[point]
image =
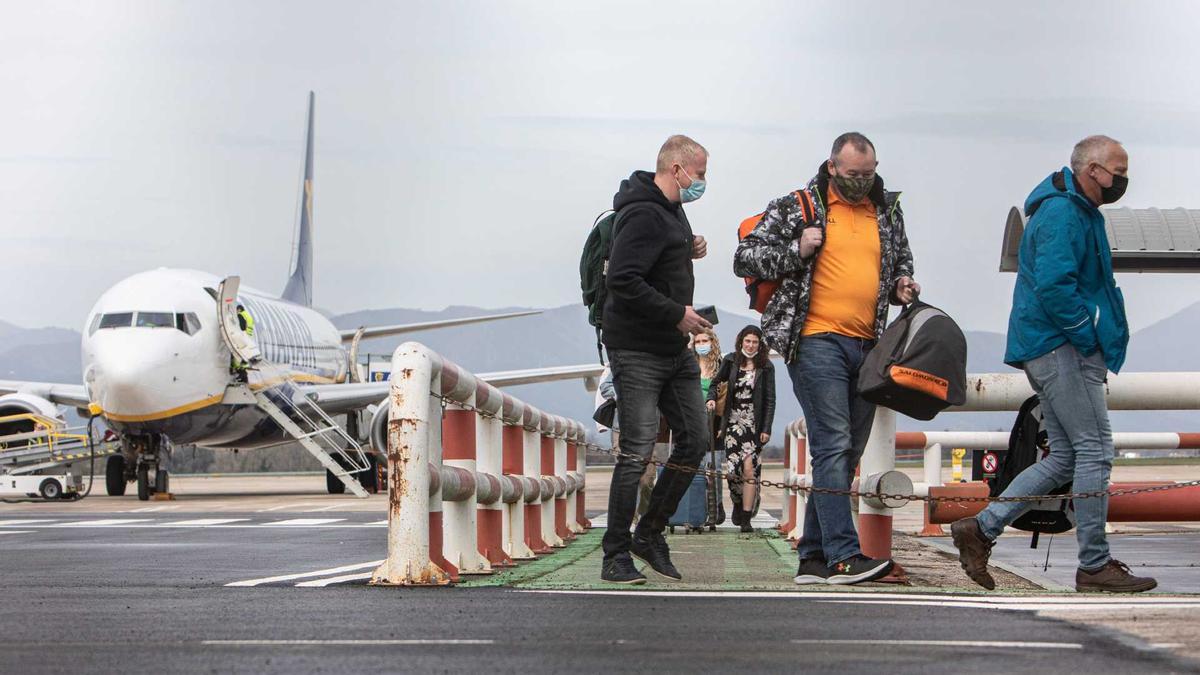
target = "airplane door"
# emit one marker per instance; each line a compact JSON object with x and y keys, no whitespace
{"x":241,"y":345}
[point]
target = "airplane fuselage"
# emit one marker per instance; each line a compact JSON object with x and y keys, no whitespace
{"x":154,"y":361}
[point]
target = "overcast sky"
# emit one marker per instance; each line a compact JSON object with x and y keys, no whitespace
{"x":464,"y":149}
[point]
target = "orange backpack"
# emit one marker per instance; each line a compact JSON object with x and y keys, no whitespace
{"x":761,"y":290}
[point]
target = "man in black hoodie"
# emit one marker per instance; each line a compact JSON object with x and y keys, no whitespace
{"x":648,"y":317}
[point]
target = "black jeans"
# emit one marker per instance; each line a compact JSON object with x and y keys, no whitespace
{"x":647,"y":384}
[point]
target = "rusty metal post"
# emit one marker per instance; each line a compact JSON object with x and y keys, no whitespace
{"x":409,"y":426}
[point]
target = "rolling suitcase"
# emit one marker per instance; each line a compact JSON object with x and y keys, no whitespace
{"x":702,"y":505}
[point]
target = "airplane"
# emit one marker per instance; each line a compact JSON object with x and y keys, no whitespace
{"x":166,"y":362}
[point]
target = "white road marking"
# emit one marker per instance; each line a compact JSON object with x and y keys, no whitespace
{"x":303,"y":575}
{"x":304,"y":521}
{"x":273,"y":508}
{"x":376,"y":523}
{"x":151,"y":509}
{"x":276,"y":643}
{"x":1014,"y":603}
{"x":321,"y":583}
{"x":203,"y":522}
{"x":324,"y":508}
{"x":106,"y":522}
{"x":945,"y":643}
{"x":14,"y":523}
{"x":16,"y":531}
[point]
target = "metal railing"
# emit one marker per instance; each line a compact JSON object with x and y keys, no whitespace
{"x":477,"y":478}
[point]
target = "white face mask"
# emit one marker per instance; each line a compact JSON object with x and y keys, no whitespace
{"x":749,"y":354}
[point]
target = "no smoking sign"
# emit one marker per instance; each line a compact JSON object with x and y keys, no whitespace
{"x":990,"y":463}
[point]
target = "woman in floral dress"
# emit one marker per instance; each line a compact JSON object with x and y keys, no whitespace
{"x":750,"y":411}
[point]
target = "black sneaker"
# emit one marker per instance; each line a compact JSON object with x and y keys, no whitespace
{"x":812,"y":571}
{"x":857,"y":569}
{"x":652,"y":550}
{"x":620,"y":570}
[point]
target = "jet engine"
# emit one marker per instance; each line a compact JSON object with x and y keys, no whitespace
{"x":17,"y":404}
{"x":379,"y":427}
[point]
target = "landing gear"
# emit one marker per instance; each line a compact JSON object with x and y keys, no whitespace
{"x":333,"y":484}
{"x":114,"y":476}
{"x":369,"y":479}
{"x":143,"y":482}
{"x":147,"y":454}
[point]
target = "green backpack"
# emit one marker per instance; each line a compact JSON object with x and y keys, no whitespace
{"x":593,"y":269}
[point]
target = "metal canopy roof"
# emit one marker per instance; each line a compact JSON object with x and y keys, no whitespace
{"x":1142,"y":240}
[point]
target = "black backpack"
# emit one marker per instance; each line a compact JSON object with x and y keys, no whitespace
{"x":1027,"y":445}
{"x":919,"y":366}
{"x":593,"y":270}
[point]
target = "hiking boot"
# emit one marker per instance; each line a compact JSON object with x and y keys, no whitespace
{"x":620,"y":570}
{"x":812,"y":571}
{"x":974,"y":549}
{"x":1114,"y":577}
{"x":652,"y":549}
{"x":857,"y":569}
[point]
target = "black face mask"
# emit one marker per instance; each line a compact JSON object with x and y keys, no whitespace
{"x":1108,"y":195}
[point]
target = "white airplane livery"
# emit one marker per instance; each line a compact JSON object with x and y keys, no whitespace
{"x":168,"y":360}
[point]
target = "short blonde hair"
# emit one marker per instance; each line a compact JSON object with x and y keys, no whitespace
{"x":678,"y":149}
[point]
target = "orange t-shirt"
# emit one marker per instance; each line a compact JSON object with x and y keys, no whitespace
{"x":845,"y":284}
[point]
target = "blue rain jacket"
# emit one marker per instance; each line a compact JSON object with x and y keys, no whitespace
{"x":1065,"y":290}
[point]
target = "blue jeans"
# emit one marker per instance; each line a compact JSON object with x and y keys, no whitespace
{"x":825,"y":379}
{"x":1071,"y":390}
{"x":647,"y":384}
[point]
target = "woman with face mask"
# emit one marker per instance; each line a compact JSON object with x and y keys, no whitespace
{"x":749,"y":414}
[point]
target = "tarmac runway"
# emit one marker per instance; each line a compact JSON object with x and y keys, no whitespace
{"x":274,"y":590}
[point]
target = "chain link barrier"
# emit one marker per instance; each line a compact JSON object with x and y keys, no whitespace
{"x":764,"y":483}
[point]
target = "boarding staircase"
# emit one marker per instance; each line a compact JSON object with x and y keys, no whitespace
{"x":321,"y":436}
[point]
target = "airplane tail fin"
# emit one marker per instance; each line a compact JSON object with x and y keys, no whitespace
{"x":299,"y":286}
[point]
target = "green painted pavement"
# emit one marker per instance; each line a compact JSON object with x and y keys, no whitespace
{"x":722,"y":560}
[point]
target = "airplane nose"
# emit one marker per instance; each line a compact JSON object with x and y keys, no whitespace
{"x":135,"y":379}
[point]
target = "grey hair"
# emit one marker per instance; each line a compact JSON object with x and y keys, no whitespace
{"x":1090,"y":149}
{"x":678,"y":149}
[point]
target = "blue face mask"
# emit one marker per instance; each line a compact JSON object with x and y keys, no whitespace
{"x":693,"y":191}
{"x":703,"y":350}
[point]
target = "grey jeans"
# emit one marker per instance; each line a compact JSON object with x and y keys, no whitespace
{"x":1071,"y":390}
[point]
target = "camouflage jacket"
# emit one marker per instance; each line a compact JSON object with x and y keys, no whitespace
{"x":772,"y":251}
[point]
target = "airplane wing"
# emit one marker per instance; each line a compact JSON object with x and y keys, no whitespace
{"x":74,"y":395}
{"x":384,"y":331}
{"x":335,"y":399}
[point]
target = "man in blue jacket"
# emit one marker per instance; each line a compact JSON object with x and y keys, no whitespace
{"x":1067,"y":329}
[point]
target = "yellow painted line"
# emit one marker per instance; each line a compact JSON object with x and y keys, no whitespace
{"x":162,"y":414}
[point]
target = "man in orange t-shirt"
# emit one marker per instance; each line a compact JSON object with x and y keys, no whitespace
{"x":838,"y":275}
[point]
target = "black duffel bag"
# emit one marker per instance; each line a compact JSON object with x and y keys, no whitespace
{"x":919,"y":366}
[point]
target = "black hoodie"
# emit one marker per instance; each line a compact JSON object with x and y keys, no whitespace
{"x":650,"y":277}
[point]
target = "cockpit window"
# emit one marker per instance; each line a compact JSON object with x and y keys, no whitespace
{"x":155,"y":320}
{"x":116,"y":320}
{"x":188,"y":323}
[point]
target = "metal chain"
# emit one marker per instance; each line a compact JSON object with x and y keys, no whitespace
{"x":763,"y":482}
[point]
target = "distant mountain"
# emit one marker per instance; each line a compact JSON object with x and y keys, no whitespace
{"x":562,"y":336}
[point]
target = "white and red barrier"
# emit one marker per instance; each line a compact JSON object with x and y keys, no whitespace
{"x":999,"y":392}
{"x":489,"y":481}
